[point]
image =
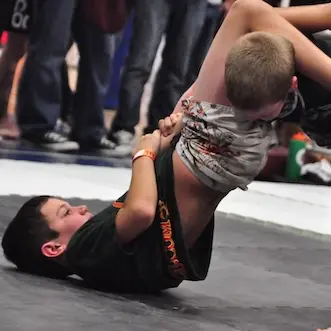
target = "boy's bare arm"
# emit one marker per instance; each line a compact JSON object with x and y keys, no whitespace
{"x":255,"y":15}
{"x":140,"y":204}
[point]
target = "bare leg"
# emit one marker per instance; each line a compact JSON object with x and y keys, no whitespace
{"x":308,"y":18}
{"x":13,"y":52}
{"x":187,"y":94}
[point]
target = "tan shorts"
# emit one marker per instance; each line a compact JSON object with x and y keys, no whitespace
{"x":221,"y":150}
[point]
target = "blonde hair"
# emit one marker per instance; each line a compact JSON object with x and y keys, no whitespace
{"x":259,"y":70}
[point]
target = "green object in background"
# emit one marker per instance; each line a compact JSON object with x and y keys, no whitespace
{"x":295,"y":158}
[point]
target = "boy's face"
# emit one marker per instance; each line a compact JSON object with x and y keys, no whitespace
{"x":270,"y":112}
{"x":65,"y":220}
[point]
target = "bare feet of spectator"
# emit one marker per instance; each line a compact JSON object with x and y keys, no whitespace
{"x":328,"y":329}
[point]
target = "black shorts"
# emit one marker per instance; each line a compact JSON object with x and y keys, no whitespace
{"x":183,"y":263}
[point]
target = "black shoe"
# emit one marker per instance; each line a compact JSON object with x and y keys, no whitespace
{"x":53,"y":141}
{"x":104,"y":146}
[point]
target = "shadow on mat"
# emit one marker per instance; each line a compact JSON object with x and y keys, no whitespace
{"x":168,"y":300}
{"x":179,"y":303}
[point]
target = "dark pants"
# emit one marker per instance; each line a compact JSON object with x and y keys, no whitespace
{"x":180,"y":21}
{"x":40,"y":91}
{"x":212,"y":22}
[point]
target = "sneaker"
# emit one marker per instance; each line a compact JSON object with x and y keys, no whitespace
{"x":54,"y":141}
{"x":62,"y":128}
{"x":105,"y":143}
{"x":125,"y":142}
{"x":104,"y":146}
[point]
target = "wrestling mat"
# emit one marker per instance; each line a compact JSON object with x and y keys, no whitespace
{"x":262,"y":277}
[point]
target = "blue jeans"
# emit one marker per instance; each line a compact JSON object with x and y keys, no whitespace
{"x":40,"y":92}
{"x":212,"y":22}
{"x":180,"y":21}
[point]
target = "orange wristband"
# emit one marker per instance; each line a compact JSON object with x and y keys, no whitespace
{"x":144,"y":152}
